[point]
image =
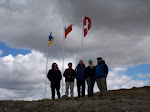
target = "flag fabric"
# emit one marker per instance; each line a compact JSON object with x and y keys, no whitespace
{"x":50,"y":39}
{"x":68,"y":30}
{"x":86,"y":25}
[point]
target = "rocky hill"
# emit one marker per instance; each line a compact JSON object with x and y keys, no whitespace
{"x":123,"y":100}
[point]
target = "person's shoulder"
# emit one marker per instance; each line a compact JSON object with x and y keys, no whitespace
{"x":84,"y":67}
{"x":59,"y":71}
{"x":96,"y":66}
{"x":88,"y":67}
{"x":50,"y":70}
{"x":78,"y":67}
{"x":66,"y":69}
{"x":73,"y":69}
{"x":106,"y":65}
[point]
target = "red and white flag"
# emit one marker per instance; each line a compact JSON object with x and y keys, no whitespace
{"x":86,"y":25}
{"x":68,"y":29}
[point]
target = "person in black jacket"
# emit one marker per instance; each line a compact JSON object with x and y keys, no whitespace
{"x":90,"y":77}
{"x":54,"y":75}
{"x":69,"y":75}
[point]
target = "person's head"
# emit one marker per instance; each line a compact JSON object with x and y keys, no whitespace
{"x":54,"y":66}
{"x":81,"y":62}
{"x":90,"y":61}
{"x":99,"y":60}
{"x":70,"y":65}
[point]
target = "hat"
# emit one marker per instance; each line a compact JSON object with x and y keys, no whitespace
{"x":90,"y":60}
{"x":99,"y":58}
{"x":69,"y":63}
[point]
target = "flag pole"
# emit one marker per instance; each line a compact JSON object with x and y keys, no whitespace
{"x":46,"y":74}
{"x":63,"y":61}
{"x":82,"y":35}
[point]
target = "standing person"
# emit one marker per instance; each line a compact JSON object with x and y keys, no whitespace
{"x":54,"y":75}
{"x":90,"y":77}
{"x":69,"y":75}
{"x":101,"y":75}
{"x":80,"y":76}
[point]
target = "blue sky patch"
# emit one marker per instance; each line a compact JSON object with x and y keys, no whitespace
{"x":13,"y":51}
{"x":139,"y":72}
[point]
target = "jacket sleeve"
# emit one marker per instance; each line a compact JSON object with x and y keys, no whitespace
{"x":74,"y":73}
{"x":86,"y":73}
{"x":60,"y":75}
{"x":76,"y":69}
{"x":106,"y":69}
{"x":49,"y":75}
{"x":65,"y":74}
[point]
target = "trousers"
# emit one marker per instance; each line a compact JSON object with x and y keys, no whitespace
{"x":81,"y":83}
{"x":71,"y":86}
{"x":90,"y":83}
{"x":102,"y":85}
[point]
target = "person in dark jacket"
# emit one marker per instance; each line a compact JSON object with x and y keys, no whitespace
{"x":69,"y":75}
{"x":80,"y":76}
{"x":101,"y":75}
{"x":90,"y":77}
{"x":54,"y":76}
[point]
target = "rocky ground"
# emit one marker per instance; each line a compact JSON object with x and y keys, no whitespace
{"x":123,"y":100}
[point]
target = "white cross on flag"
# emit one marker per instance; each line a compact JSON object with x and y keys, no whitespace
{"x":86,"y":25}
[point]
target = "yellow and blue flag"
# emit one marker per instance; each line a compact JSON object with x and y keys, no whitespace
{"x":50,"y":39}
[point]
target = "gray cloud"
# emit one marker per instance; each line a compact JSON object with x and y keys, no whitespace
{"x":120,"y":29}
{"x":22,"y":77}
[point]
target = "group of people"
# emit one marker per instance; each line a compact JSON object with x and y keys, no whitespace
{"x":82,"y":74}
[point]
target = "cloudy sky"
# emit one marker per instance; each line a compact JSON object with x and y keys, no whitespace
{"x":120,"y":33}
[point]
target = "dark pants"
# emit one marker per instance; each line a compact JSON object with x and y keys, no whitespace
{"x":81,"y":83}
{"x":55,"y":86}
{"x":90,"y":82}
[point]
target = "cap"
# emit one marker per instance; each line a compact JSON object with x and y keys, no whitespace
{"x":99,"y":58}
{"x":90,"y":60}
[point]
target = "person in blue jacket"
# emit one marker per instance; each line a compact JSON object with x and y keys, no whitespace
{"x":101,"y":72}
{"x":80,"y":76}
